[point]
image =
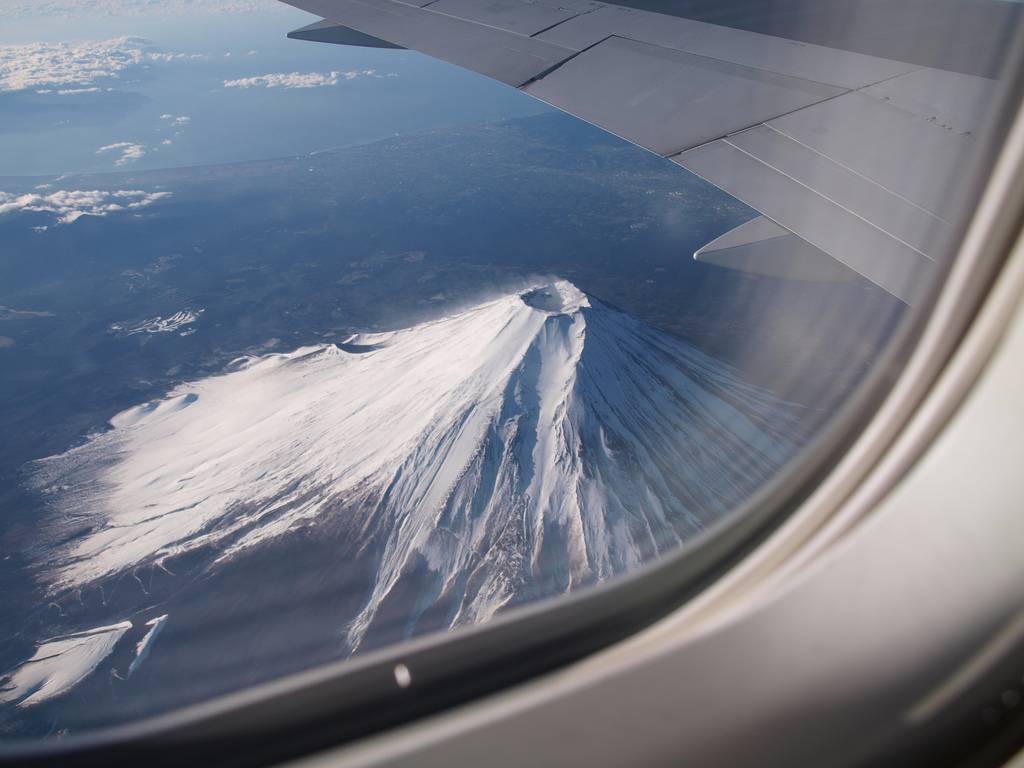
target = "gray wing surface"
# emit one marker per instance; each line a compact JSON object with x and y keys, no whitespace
{"x":817,"y":139}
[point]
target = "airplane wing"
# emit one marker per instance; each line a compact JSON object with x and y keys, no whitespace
{"x":813,"y":137}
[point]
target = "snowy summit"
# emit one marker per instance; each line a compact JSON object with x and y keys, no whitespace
{"x":528,"y":445}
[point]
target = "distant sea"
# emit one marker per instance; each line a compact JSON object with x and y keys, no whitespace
{"x":61,"y":133}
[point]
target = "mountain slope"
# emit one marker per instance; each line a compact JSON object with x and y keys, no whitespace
{"x":517,"y":449}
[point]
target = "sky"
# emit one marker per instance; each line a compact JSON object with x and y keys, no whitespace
{"x":118,"y":85}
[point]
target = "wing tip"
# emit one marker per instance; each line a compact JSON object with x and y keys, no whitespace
{"x":327,"y":31}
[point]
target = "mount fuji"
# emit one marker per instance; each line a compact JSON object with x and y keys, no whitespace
{"x":521,"y":448}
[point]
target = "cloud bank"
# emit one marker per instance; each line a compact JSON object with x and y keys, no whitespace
{"x":69,"y":205}
{"x":42,"y":65}
{"x":74,"y":68}
{"x":299,"y":79}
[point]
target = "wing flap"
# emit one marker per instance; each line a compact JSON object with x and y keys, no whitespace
{"x":851,"y":240}
{"x":806,"y":61}
{"x":894,"y":215}
{"x":762,"y":247}
{"x":684,"y":99}
{"x":882,"y":131}
{"x":330,"y":32}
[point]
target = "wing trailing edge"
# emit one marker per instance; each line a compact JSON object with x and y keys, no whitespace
{"x":849,"y":153}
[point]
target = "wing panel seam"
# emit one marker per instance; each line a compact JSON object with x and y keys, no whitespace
{"x":506,"y":30}
{"x":827,"y":199}
{"x":566,"y":60}
{"x":557,"y":23}
{"x":845,"y":167}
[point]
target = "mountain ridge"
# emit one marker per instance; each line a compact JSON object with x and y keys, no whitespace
{"x":523,"y":447}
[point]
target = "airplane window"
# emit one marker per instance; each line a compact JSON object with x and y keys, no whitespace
{"x":308,"y":350}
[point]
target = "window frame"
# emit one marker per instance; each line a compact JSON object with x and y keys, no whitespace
{"x":348,"y":700}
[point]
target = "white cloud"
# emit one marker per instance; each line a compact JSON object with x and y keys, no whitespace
{"x":75,"y":68}
{"x":38,"y":65}
{"x":176,"y":119}
{"x":72,"y":91}
{"x":299,"y":79}
{"x":178,"y":56}
{"x":70,"y":204}
{"x":128,"y":150}
{"x":166,"y":142}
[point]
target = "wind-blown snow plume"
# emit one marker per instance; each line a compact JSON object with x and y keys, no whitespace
{"x":59,"y":664}
{"x":523,"y":447}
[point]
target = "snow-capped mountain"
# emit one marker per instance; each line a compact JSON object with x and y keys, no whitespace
{"x":518,"y":449}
